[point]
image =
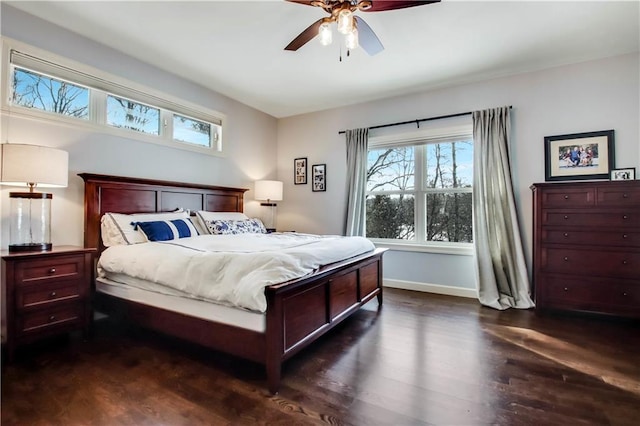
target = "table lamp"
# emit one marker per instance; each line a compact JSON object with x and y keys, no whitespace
{"x":32,"y":166}
{"x":269,"y":190}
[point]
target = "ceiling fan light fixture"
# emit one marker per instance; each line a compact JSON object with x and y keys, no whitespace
{"x":345,"y":21}
{"x":325,"y":33}
{"x":351,"y":40}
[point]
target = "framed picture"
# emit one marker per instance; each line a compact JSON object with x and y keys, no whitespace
{"x":623,"y":174}
{"x":578,"y":156}
{"x":319,"y":176}
{"x":300,"y":171}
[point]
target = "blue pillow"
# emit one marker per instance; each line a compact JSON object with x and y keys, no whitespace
{"x":166,"y":230}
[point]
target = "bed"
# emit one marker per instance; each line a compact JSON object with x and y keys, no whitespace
{"x":297,"y":313}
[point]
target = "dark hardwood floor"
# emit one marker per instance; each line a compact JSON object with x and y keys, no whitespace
{"x":421,"y":359}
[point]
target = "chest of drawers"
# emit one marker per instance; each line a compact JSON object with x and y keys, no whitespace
{"x":586,"y":248}
{"x":45,"y":293}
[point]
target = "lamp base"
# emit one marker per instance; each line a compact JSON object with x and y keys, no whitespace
{"x":30,"y":247}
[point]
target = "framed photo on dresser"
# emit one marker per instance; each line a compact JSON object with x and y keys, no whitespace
{"x":579,"y":156}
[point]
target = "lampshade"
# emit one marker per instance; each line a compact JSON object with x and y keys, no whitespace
{"x":270,"y":190}
{"x":31,"y":164}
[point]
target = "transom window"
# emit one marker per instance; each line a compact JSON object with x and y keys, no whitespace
{"x":420,"y":191}
{"x":49,"y":87}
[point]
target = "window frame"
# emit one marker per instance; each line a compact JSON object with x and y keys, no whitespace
{"x":100,"y":85}
{"x":419,"y":140}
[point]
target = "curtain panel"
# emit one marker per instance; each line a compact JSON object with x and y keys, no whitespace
{"x":357,"y":147}
{"x":501,"y":273}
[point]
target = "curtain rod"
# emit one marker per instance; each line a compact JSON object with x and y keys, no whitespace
{"x":417,"y":122}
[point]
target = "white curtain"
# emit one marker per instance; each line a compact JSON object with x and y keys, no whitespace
{"x":501,"y":272}
{"x":357,"y":146}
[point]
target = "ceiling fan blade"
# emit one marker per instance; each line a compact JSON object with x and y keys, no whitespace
{"x":382,"y":5}
{"x":367,"y":39}
{"x":305,"y":2}
{"x":305,"y":36}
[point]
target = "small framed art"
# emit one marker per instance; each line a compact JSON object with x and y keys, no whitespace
{"x":300,"y":171}
{"x":319,"y":176}
{"x":623,"y":174}
{"x":579,"y":156}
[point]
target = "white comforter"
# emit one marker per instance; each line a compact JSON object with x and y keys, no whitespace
{"x":229,"y":269}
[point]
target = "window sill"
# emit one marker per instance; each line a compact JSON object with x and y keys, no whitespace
{"x":459,"y":249}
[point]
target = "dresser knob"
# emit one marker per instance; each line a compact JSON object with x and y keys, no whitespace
{"x":624,"y":262}
{"x":53,"y":294}
{"x":566,"y":217}
{"x":566,"y":197}
{"x":566,"y":234}
{"x":52,"y":270}
{"x":566,"y":258}
{"x":625,"y":217}
{"x":624,"y":235}
{"x":566,"y":289}
{"x":625,"y":195}
{"x":52,"y":318}
{"x":624,"y":294}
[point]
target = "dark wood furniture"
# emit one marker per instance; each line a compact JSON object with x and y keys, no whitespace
{"x":586,"y":253}
{"x":45,"y":293}
{"x":298,"y":312}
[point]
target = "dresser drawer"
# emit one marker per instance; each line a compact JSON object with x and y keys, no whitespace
{"x":591,"y":220}
{"x":562,"y":290}
{"x":50,"y":269}
{"x":590,"y":237}
{"x":31,"y":297}
{"x":50,"y":319}
{"x":569,"y":198}
{"x":618,"y":196}
{"x":591,"y":262}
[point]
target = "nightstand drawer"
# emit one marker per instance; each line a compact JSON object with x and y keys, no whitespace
{"x":44,"y":320}
{"x":46,"y":295}
{"x":51,"y":269}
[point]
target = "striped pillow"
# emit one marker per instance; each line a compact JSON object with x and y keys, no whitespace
{"x":166,"y":230}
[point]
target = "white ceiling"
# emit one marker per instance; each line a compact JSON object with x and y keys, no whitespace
{"x":236,"y":47}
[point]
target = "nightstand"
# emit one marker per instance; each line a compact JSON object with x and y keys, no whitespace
{"x":45,"y":293}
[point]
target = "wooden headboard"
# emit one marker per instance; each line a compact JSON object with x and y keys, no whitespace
{"x":117,"y":194}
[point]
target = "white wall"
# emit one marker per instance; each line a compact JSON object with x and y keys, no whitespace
{"x":597,"y":95}
{"x":249,"y":138}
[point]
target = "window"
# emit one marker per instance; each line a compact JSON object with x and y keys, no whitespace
{"x":419,"y":191}
{"x":45,"y":86}
{"x":33,"y":90}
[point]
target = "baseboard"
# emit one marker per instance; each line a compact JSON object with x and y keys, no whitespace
{"x":432,"y":288}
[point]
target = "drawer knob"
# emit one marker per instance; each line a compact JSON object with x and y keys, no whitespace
{"x":566,"y":289}
{"x":624,"y":235}
{"x":52,"y":270}
{"x":52,"y":318}
{"x":53,"y":294}
{"x":625,"y":217}
{"x":625,"y":195}
{"x":624,"y":262}
{"x":624,"y":293}
{"x":566,"y":235}
{"x":566,"y":197}
{"x":566,"y":258}
{"x":566,"y":217}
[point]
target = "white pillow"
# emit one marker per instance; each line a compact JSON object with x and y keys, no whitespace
{"x":117,"y":228}
{"x":203,"y":216}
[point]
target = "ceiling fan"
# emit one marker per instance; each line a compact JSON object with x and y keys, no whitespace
{"x":356,"y":31}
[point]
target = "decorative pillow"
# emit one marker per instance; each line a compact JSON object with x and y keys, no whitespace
{"x":203,"y":216}
{"x":117,"y":228}
{"x":165,"y":230}
{"x":225,"y":227}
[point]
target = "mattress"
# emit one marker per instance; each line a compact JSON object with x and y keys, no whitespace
{"x":151,"y":294}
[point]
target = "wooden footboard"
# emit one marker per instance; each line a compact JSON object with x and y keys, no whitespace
{"x":298,"y":311}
